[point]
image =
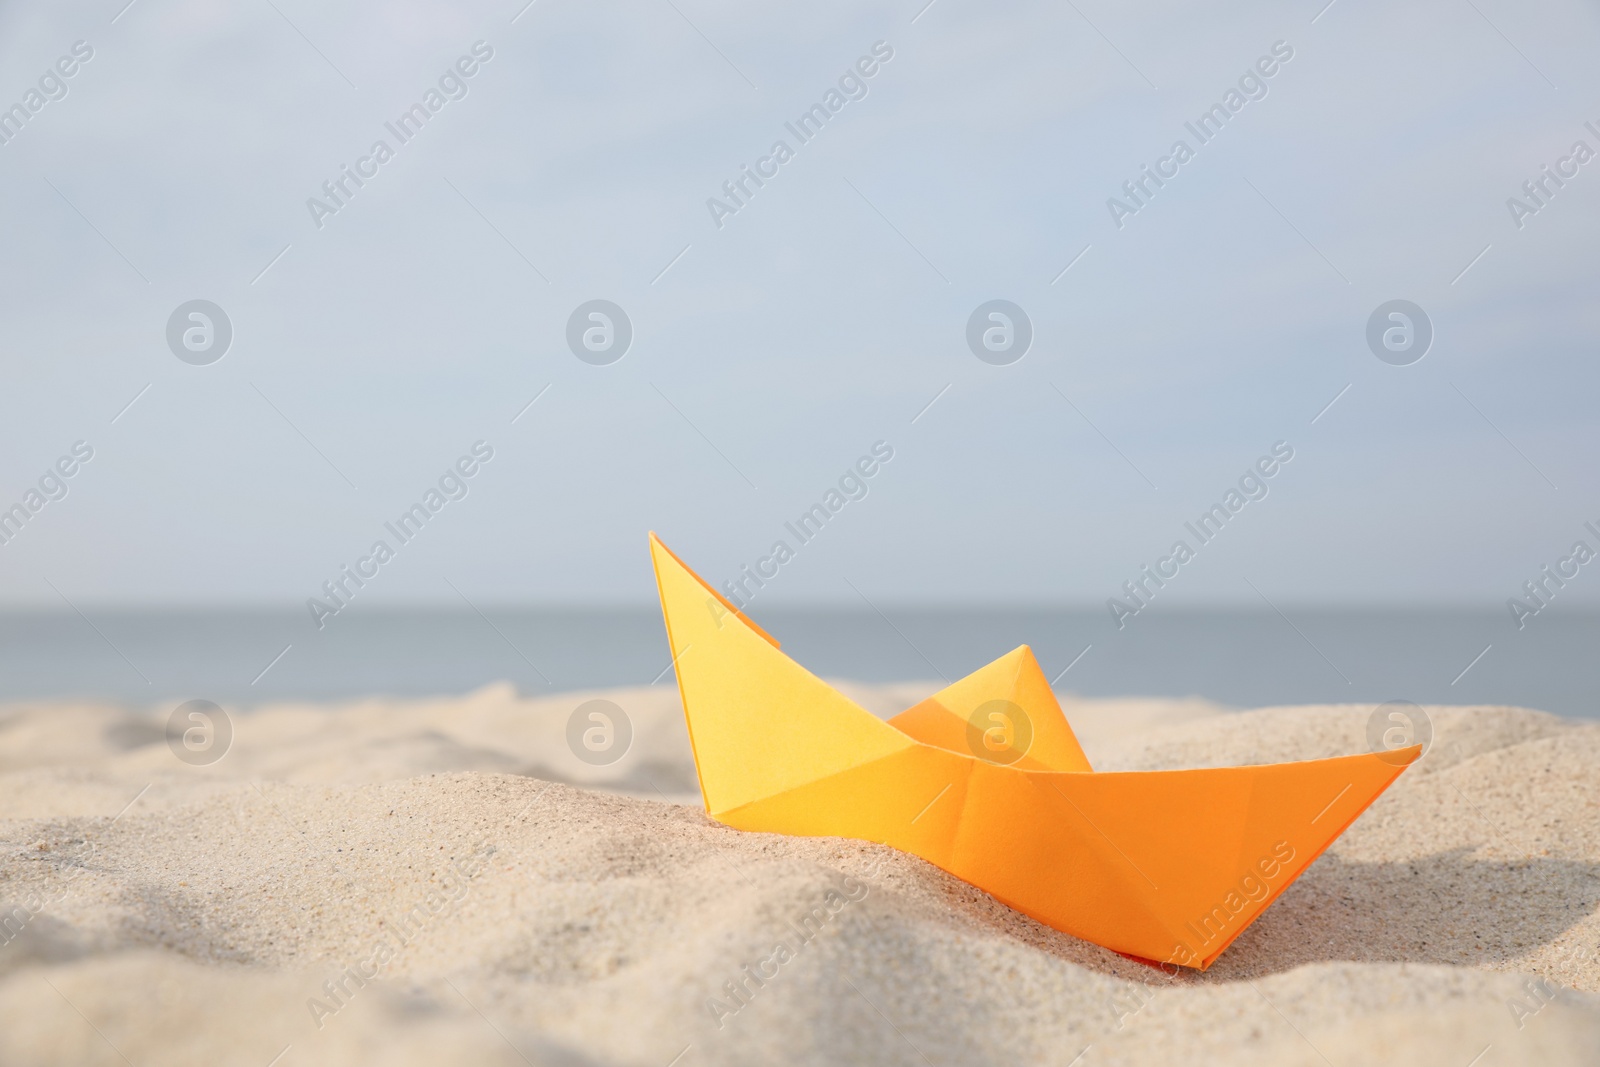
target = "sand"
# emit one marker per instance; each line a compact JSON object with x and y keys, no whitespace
{"x":254,"y":911}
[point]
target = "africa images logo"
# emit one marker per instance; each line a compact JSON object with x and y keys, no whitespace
{"x":452,"y":85}
{"x":1252,"y":85}
{"x":852,"y":85}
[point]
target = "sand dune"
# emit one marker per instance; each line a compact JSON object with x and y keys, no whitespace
{"x":445,"y":882}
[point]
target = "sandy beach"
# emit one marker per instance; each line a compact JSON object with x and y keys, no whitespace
{"x":444,"y":881}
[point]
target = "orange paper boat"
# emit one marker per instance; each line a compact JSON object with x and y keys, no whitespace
{"x":986,"y":780}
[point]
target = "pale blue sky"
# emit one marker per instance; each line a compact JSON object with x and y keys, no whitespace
{"x":822,"y":317}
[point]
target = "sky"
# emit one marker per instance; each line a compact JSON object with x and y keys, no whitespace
{"x":1175,"y":342}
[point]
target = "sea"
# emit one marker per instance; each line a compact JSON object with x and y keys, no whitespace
{"x":1238,"y":658}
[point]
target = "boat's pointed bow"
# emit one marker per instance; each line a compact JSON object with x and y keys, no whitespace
{"x":1200,"y":854}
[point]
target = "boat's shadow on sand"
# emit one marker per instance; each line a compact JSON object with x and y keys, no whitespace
{"x":1453,"y":907}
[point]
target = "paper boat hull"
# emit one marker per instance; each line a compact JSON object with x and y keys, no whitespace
{"x":1169,"y":866}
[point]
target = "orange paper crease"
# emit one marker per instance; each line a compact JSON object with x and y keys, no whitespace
{"x":986,"y":780}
